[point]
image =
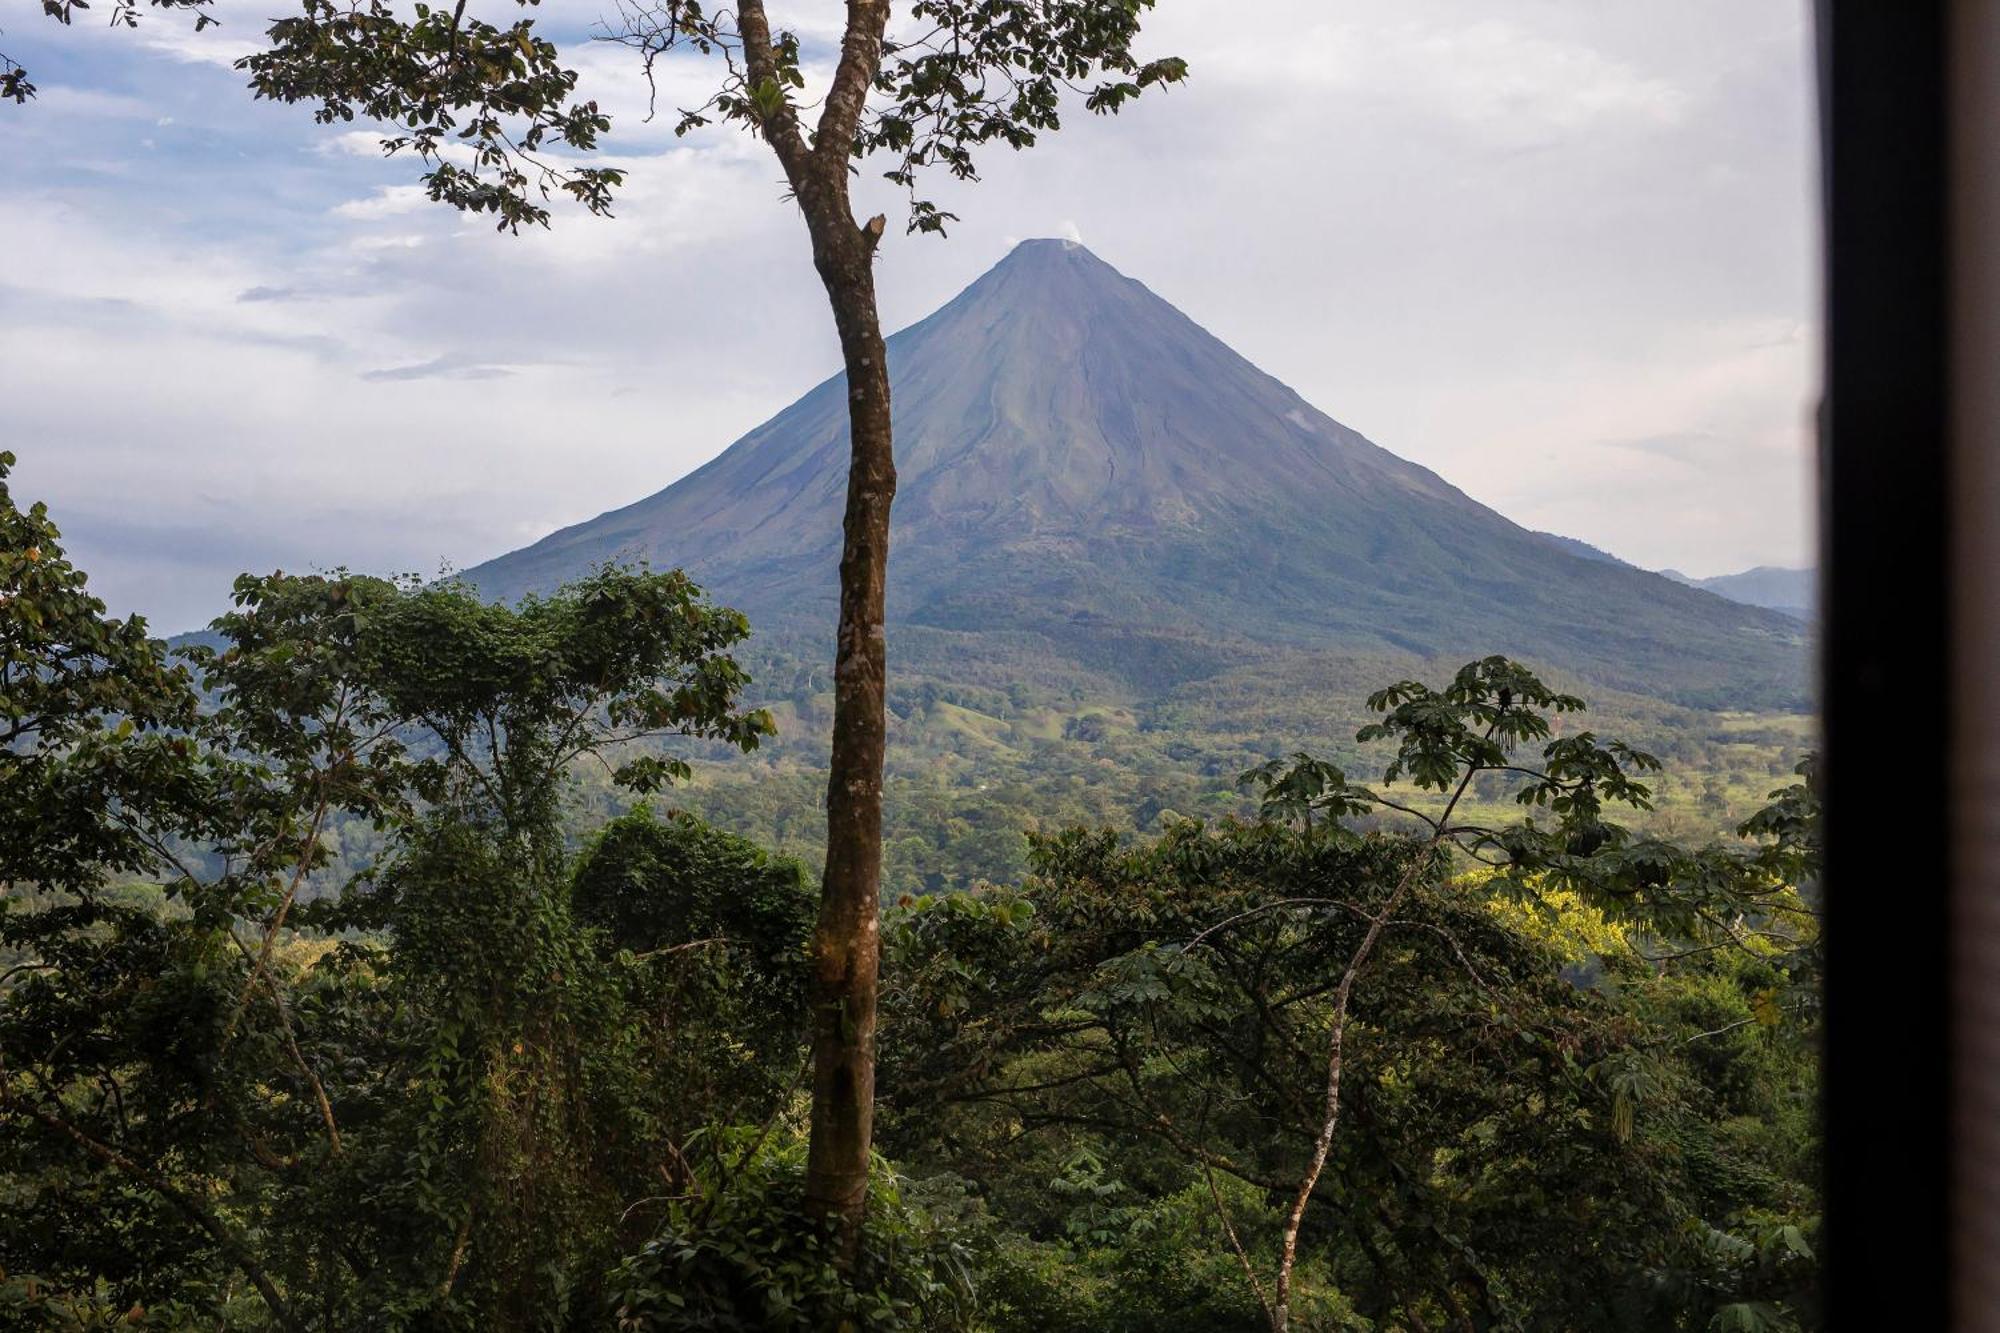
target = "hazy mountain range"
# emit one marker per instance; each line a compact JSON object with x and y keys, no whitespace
{"x":1089,"y":478}
{"x":1792,"y":591}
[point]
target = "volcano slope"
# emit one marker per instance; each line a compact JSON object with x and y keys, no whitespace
{"x":1092,"y":487}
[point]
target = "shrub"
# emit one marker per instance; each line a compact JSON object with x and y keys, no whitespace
{"x":739,"y":1253}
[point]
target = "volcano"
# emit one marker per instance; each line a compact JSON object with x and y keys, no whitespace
{"x":1087,"y":475}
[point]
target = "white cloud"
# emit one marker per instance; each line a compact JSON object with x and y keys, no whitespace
{"x":378,"y":242}
{"x":351,"y":143}
{"x":388,"y":201}
{"x":1509,"y":84}
{"x":219,"y":46}
{"x":1705,"y":444}
{"x":1559,"y":251}
{"x":66,"y":100}
{"x":1498,"y":79}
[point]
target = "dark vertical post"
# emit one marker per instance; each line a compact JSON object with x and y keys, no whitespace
{"x":1974,"y":256}
{"x":1884,"y":674}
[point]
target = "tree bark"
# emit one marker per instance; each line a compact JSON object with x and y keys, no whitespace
{"x":847,"y":940}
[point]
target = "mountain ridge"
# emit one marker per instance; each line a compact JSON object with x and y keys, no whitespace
{"x":1085,"y":467}
{"x":1795,"y":592}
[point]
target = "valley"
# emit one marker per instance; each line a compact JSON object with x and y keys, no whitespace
{"x":973,"y":770}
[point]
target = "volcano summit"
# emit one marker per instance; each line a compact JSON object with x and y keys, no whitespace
{"x":1089,"y":475}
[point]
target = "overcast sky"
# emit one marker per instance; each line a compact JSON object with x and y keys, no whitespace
{"x":1561,"y":251}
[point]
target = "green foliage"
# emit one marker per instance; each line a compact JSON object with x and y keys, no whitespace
{"x":964,"y":74}
{"x":497,"y":95}
{"x":435,"y":1118}
{"x":1165,"y":1007}
{"x":984,"y":750}
{"x":1164,"y":1263}
{"x":1202,"y":1062}
{"x":15,"y":85}
{"x":476,"y":1083}
{"x":89,"y":714}
{"x":710,"y":935}
{"x":651,"y":884}
{"x":1790,"y":828}
{"x":740,"y":1253}
{"x":1446,"y":740}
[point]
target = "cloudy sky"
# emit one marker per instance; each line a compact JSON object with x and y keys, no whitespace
{"x":1560,"y":251}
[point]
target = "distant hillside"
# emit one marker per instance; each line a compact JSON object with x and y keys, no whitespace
{"x":1795,"y":592}
{"x":1583,"y":549}
{"x":1093,"y":485}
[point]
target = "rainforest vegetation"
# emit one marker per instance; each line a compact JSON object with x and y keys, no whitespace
{"x":365,"y":967}
{"x":393,"y":958}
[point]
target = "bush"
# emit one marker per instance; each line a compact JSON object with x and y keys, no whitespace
{"x":739,"y":1253}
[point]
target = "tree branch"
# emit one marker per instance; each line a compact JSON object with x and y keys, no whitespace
{"x":779,"y":127}
{"x":219,"y":1233}
{"x":860,"y":60}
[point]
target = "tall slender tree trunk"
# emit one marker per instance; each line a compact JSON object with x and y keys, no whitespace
{"x":846,"y":944}
{"x":847,"y":941}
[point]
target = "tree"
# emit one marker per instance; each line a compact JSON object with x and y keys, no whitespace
{"x":717,"y":932}
{"x":1445,"y":739}
{"x":16,"y":87}
{"x":484,"y":107}
{"x":426,"y":1119}
{"x":65,"y":669}
{"x":976,"y":72}
{"x":95,"y":770}
{"x":1289,"y":1005}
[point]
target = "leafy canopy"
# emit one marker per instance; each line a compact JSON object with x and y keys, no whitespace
{"x":201,"y":1088}
{"x":1568,"y":787}
{"x":90,"y":713}
{"x":488,"y":108}
{"x":16,"y":87}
